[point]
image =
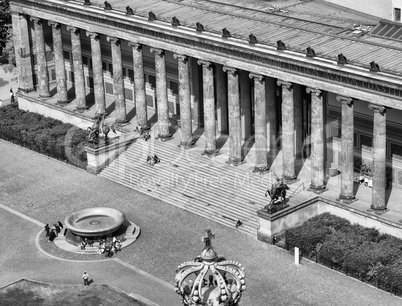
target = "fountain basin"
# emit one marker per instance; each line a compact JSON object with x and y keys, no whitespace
{"x":94,"y":222}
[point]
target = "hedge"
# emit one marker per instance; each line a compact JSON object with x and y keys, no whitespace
{"x":360,"y":252}
{"x":45,"y":135}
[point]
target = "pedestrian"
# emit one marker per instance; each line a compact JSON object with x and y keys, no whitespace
{"x":47,"y":229}
{"x":57,"y":228}
{"x":52,"y":235}
{"x":85,"y":277}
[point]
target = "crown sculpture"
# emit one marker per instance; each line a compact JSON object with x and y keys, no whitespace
{"x":210,"y":280}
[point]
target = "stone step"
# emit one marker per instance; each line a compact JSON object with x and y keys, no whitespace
{"x":225,"y":204}
{"x":211,"y":197}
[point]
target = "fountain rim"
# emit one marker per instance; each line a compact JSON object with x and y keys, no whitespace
{"x":108,"y":211}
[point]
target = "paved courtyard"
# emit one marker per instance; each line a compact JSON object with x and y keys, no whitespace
{"x":35,"y":190}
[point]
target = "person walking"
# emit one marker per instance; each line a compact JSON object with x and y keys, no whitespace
{"x":47,"y":229}
{"x":85,"y":277}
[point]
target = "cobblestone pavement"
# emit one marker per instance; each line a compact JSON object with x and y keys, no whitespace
{"x":47,"y":191}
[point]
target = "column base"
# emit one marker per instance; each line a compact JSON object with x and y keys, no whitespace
{"x":186,"y":144}
{"x":26,"y":90}
{"x":346,"y":199}
{"x":210,"y":153}
{"x":317,"y":189}
{"x":63,"y":102}
{"x":44,"y":96}
{"x":290,"y":179}
{"x":121,"y":121}
{"x":378,"y":210}
{"x":234,"y":161}
{"x":81,"y":108}
{"x":164,"y":138}
{"x":261,"y":170}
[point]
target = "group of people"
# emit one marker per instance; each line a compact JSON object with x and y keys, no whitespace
{"x":152,"y":160}
{"x":109,"y":248}
{"x":143,"y":135}
{"x":54,"y":231}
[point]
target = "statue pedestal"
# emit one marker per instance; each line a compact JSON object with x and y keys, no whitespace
{"x":101,"y":155}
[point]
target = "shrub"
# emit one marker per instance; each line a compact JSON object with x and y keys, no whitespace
{"x":43,"y":134}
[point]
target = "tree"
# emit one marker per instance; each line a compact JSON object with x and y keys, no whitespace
{"x":6,"y":36}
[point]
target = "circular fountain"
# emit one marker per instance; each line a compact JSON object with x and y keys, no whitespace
{"x":94,"y":222}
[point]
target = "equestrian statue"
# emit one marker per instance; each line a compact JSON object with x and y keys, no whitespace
{"x":277,"y":195}
{"x":99,"y":127}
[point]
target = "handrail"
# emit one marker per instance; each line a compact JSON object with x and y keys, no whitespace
{"x":294,"y":192}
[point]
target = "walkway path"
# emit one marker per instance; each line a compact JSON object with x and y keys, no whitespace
{"x":47,"y":190}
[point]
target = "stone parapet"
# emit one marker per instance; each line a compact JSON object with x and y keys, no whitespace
{"x":99,"y":157}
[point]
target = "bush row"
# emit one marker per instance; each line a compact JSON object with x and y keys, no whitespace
{"x":358,"y":251}
{"x":45,"y":135}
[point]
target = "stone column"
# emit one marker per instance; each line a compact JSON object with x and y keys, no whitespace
{"x":16,"y":28}
{"x":245,"y":100}
{"x":59,"y":63}
{"x":317,"y":141}
{"x":235,"y":152}
{"x":260,"y":121}
{"x":347,"y":151}
{"x":79,"y":81}
{"x":379,"y":157}
{"x":97,"y":71}
{"x":118,"y":84}
{"x":288,"y":132}
{"x":270,"y":95}
{"x":298,"y":104}
{"x":185,"y":102}
{"x":41,"y":63}
{"x":161,"y":94}
{"x":139,"y":86}
{"x":196,"y":91}
{"x":221,"y":100}
{"x":209,"y":107}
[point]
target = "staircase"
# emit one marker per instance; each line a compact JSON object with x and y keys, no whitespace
{"x":205,"y":186}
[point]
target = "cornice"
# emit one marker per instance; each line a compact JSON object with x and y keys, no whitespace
{"x":290,"y":62}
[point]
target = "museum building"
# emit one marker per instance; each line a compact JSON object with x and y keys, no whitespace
{"x":324,"y":87}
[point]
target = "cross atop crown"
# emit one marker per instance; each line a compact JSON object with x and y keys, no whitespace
{"x":207,"y":238}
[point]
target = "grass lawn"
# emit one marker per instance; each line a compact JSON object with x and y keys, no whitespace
{"x":25,"y":292}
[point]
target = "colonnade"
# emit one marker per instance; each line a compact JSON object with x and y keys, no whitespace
{"x":233,"y":112}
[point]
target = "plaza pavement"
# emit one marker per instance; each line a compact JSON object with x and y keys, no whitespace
{"x":43,"y":190}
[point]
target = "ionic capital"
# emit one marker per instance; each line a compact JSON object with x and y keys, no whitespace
{"x":72,"y":29}
{"x":113,"y":40}
{"x":230,"y":70}
{"x":204,"y":63}
{"x":93,"y":35}
{"x":284,"y":84}
{"x":36,"y":20}
{"x":134,"y":45}
{"x":54,"y":24}
{"x":259,"y":77}
{"x":345,"y":100}
{"x":377,"y":108}
{"x":159,"y":52}
{"x":181,"y":57}
{"x":314,"y":91}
